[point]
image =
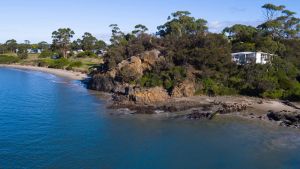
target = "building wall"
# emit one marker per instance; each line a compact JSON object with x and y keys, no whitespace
{"x":251,"y":57}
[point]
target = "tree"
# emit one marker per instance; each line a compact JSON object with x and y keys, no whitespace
{"x":267,"y":44}
{"x":77,"y":44}
{"x":100,"y":45}
{"x":2,"y":48}
{"x":240,"y":33}
{"x":22,"y":51}
{"x":43,"y":45}
{"x":62,"y":39}
{"x":272,"y":11}
{"x":140,"y":29}
{"x":117,"y":34}
{"x":27,"y":42}
{"x":11,"y":45}
{"x":280,"y":22}
{"x":181,"y":23}
{"x":88,"y":42}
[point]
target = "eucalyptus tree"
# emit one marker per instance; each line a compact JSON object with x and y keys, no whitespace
{"x":76,"y":44}
{"x":88,"y":42}
{"x":62,"y":40}
{"x":140,"y":29}
{"x":117,"y":35}
{"x":240,"y":33}
{"x":2,"y":48}
{"x":11,"y":45}
{"x":43,"y":45}
{"x":181,"y":23}
{"x":22,"y":51}
{"x":100,"y":45}
{"x":280,"y":22}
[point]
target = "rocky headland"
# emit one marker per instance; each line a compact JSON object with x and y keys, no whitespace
{"x":181,"y":101}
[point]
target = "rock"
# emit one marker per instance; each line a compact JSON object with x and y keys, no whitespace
{"x":291,"y":105}
{"x":185,"y":89}
{"x":276,"y":116}
{"x":227,"y":108}
{"x":196,"y":115}
{"x":101,"y":82}
{"x":112,"y":73}
{"x":260,"y":102}
{"x":152,"y":95}
{"x":286,"y":118}
{"x":150,"y":58}
{"x":130,"y":70}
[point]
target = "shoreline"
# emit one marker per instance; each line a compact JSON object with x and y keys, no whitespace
{"x":194,"y":108}
{"x":204,"y":107}
{"x":58,"y":72}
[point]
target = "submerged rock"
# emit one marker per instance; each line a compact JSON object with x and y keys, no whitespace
{"x":197,"y":115}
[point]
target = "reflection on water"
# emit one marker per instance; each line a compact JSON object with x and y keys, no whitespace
{"x":50,"y":122}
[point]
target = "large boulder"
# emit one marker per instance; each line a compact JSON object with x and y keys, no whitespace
{"x":130,"y":70}
{"x":184,"y":89}
{"x":290,"y":119}
{"x":149,"y":58}
{"x":152,"y":95}
{"x":101,"y":82}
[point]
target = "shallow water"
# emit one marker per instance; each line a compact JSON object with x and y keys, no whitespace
{"x":50,"y":122}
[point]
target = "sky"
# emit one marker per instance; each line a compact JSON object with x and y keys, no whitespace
{"x":35,"y":20}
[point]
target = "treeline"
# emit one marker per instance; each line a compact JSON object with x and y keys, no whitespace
{"x":62,"y":46}
{"x":193,"y":53}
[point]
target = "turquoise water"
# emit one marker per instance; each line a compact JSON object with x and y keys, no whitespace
{"x":52,"y":123}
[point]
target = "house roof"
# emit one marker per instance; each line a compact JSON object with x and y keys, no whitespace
{"x":246,"y":53}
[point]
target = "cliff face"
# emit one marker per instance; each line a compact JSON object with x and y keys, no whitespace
{"x":118,"y":81}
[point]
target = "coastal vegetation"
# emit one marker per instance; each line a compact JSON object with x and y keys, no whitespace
{"x":192,"y":53}
{"x":184,"y":52}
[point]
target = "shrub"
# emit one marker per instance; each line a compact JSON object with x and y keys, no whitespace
{"x":22,"y":53}
{"x":227,"y":91}
{"x":86,"y":54}
{"x":44,"y":62}
{"x":273,"y":94}
{"x":59,"y":63}
{"x":74,"y":64}
{"x":46,"y":54}
{"x":293,"y":94}
{"x":210,"y":87}
{"x":151,"y":80}
{"x":5,"y":59}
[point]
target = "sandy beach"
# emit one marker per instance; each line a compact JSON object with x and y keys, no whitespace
{"x":58,"y":72}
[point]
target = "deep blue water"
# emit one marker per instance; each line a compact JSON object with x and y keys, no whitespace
{"x":52,"y":123}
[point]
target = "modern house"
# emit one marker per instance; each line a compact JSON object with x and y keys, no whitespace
{"x":243,"y":58}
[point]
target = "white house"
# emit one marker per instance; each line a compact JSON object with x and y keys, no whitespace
{"x":34,"y":51}
{"x":242,"y":58}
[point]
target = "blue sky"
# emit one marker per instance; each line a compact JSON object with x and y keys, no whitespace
{"x":35,"y":20}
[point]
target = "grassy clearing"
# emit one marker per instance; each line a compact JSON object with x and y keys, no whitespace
{"x":7,"y":59}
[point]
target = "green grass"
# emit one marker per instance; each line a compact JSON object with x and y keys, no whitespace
{"x":73,"y":63}
{"x":7,"y":59}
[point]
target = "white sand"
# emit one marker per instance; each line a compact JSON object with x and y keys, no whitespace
{"x":59,"y":72}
